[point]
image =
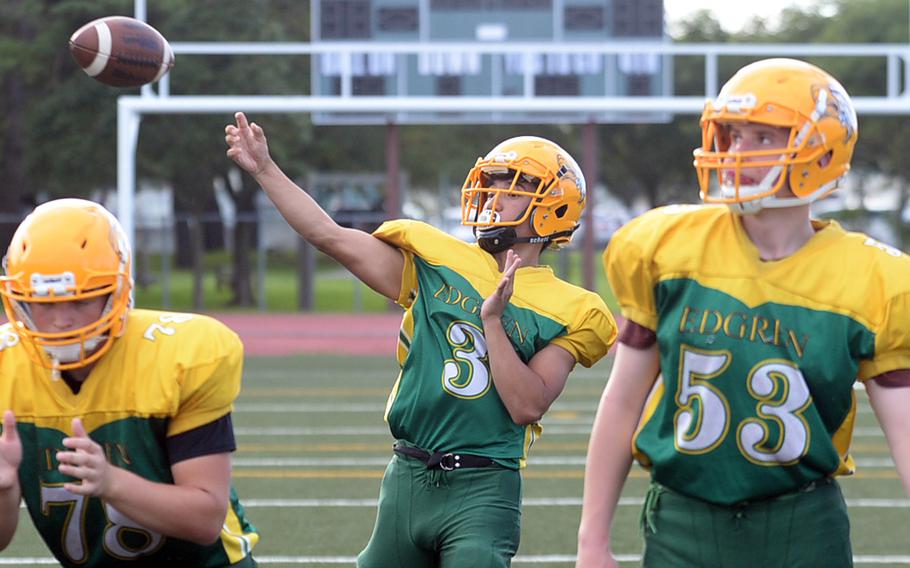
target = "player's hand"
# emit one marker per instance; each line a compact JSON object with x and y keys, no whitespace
{"x":10,"y":452}
{"x":85,"y":461}
{"x":247,"y":145}
{"x":495,"y":304}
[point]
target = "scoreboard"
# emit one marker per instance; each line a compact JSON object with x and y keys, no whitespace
{"x":486,"y":48}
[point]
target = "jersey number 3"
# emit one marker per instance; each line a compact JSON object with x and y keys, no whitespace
{"x":702,"y":420}
{"x":466,"y":374}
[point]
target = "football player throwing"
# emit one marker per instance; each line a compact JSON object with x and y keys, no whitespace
{"x":487,"y":342}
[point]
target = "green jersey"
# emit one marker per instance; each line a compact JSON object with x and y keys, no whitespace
{"x":758,"y":359}
{"x":445,"y":398}
{"x":168,"y":374}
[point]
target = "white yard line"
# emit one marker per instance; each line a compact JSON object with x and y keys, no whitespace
{"x":533,"y":461}
{"x":549,"y":430}
{"x":355,"y":407}
{"x":521,"y":559}
{"x":530,"y":502}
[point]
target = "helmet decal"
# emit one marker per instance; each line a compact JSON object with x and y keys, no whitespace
{"x":53,"y":284}
{"x":509,"y":156}
{"x":567,"y":171}
{"x":840,"y":108}
{"x":737,"y":103}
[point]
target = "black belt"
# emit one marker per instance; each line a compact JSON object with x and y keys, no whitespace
{"x":445,"y":461}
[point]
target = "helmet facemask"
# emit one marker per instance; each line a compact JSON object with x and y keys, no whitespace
{"x":67,"y":349}
{"x":67,"y":251}
{"x":778,"y":93}
{"x":495,"y":234}
{"x":524,"y":166}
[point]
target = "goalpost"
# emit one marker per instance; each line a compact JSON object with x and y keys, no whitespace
{"x":131,"y":108}
{"x":495,"y":82}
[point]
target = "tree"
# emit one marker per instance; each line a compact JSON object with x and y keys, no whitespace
{"x":57,"y":124}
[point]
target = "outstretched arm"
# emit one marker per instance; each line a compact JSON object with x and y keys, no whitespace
{"x":10,"y":492}
{"x":610,"y":450}
{"x":376,"y":263}
{"x":890,"y":405}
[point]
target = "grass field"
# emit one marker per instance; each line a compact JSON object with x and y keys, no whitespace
{"x":312,"y":448}
{"x":335,"y":289}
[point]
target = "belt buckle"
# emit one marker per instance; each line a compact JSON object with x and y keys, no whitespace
{"x":449,"y":461}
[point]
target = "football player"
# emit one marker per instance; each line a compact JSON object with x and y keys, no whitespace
{"x":487,"y":342}
{"x":749,"y":323}
{"x":117,"y":426}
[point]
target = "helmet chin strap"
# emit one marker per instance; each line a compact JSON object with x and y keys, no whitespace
{"x":498,"y":239}
{"x":772,"y":202}
{"x":72,"y":352}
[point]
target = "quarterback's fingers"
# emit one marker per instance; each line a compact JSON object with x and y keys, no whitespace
{"x":500,"y":288}
{"x":513,"y":262}
{"x":10,"y":434}
{"x":241,"y":120}
{"x":257,"y":131}
{"x":507,"y":289}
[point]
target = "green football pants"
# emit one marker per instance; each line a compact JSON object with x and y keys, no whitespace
{"x":808,"y":528}
{"x":445,"y":519}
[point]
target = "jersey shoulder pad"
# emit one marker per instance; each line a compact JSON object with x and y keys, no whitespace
{"x":658,"y":242}
{"x":185,"y":338}
{"x":432,"y":245}
{"x":669,"y":223}
{"x":422,"y":239}
{"x":888,"y":266}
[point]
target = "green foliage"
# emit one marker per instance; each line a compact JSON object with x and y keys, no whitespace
{"x":60,"y":127}
{"x":70,"y":120}
{"x":334,"y":292}
{"x":631,"y":154}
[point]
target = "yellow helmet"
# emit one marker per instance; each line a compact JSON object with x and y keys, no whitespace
{"x":67,"y":250}
{"x":557,"y":197}
{"x":781,"y":93}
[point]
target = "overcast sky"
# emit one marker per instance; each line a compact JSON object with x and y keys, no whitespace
{"x":732,"y":15}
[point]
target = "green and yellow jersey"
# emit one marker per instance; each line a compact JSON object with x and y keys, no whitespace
{"x":758,"y":359}
{"x":445,"y":399}
{"x":167,"y":375}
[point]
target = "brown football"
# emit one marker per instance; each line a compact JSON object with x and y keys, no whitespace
{"x":121,"y":51}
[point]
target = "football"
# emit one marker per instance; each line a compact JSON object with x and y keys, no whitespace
{"x":121,"y":51}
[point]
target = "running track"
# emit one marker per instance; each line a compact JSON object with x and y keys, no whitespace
{"x":305,"y":333}
{"x":337,"y":334}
